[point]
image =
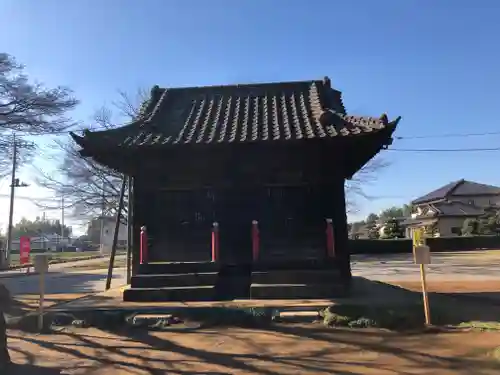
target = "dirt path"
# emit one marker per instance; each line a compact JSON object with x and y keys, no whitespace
{"x":287,"y":349}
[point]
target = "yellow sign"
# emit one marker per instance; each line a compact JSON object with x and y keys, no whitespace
{"x":418,"y":235}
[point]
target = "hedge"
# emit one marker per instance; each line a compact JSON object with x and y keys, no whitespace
{"x":436,"y":244}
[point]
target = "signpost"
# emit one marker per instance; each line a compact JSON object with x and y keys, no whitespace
{"x":422,"y":256}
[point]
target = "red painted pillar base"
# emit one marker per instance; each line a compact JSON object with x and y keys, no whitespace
{"x":144,"y":246}
{"x":330,"y":245}
{"x":215,"y":242}
{"x":255,"y":240}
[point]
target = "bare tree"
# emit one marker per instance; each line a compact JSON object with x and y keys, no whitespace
{"x":355,"y":188}
{"x":28,"y":108}
{"x":88,"y":187}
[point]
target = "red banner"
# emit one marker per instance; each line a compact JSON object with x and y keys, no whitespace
{"x":24,"y":249}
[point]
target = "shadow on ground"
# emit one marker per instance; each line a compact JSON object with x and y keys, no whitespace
{"x":60,"y":289}
{"x":273,"y":348}
{"x":281,"y":349}
{"x":16,"y":369}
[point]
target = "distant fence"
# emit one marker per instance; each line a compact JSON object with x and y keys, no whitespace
{"x":65,"y":249}
{"x":436,"y":244}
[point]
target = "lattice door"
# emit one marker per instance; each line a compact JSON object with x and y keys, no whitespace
{"x":291,"y":225}
{"x":183,"y":230}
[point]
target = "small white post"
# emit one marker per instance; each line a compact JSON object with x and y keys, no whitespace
{"x":41,"y":267}
{"x":42,"y":299}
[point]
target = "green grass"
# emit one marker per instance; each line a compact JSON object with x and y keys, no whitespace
{"x":482,"y":326}
{"x":398,"y":318}
{"x":405,"y":317}
{"x":59,"y":256}
{"x":100,"y":265}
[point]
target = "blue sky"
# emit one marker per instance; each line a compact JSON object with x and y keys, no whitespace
{"x":435,"y":63}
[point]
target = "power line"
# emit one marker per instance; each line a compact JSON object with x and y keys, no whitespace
{"x":444,"y":149}
{"x":31,"y":199}
{"x":446,"y":135}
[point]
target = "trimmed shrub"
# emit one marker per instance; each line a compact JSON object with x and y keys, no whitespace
{"x":436,"y":244}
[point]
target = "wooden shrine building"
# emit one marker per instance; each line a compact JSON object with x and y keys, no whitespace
{"x":275,"y":153}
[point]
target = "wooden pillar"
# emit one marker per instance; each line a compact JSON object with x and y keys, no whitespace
{"x":130,"y":229}
{"x":333,"y":207}
{"x":136,"y":225}
{"x":341,"y":238}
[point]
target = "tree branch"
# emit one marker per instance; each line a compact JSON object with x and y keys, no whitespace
{"x":355,"y":188}
{"x":90,"y":187}
{"x":28,"y":108}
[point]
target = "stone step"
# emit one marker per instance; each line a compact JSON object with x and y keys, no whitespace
{"x":303,"y":263}
{"x":297,"y":291}
{"x":263,"y":265}
{"x":173,"y":294}
{"x":296,"y":277}
{"x":293,"y":250}
{"x":173,"y":280}
{"x":177,"y":267}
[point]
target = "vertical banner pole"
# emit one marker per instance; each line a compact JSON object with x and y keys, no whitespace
{"x":215,"y":242}
{"x":329,"y":239}
{"x":144,"y":245}
{"x":255,"y":240}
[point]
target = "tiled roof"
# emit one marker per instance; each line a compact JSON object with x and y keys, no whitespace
{"x":446,"y":208}
{"x":458,"y":188}
{"x":474,"y":188}
{"x":242,"y":113}
{"x":453,"y":208}
{"x":418,"y":221}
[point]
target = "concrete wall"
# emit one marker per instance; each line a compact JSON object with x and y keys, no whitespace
{"x":108,"y":234}
{"x":446,"y":224}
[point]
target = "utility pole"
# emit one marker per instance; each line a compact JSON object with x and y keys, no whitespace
{"x":130,"y":229}
{"x":62,"y":220}
{"x":8,"y":246}
{"x":14,"y":183}
{"x":115,"y":234}
{"x":101,"y":232}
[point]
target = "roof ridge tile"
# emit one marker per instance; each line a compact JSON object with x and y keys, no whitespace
{"x":280,"y":111}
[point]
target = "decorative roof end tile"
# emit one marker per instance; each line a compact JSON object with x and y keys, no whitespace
{"x":327,"y":82}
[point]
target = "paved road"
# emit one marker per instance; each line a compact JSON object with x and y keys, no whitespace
{"x":61,"y":279}
{"x":63,"y":266}
{"x":445,"y":266}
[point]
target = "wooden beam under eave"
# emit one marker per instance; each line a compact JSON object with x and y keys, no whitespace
{"x":120,"y":164}
{"x":362,"y":149}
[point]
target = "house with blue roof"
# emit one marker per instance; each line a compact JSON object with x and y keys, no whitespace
{"x":445,"y":209}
